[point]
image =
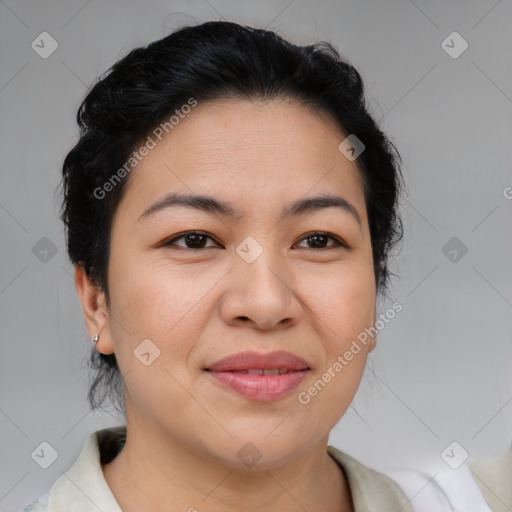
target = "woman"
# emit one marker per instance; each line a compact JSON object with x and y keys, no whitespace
{"x":229,"y":209}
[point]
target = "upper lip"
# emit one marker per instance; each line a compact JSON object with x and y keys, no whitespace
{"x":256,"y":360}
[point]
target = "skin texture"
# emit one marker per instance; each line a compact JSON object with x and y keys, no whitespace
{"x":198,"y":305}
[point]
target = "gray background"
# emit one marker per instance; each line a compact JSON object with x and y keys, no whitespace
{"x":442,"y":368}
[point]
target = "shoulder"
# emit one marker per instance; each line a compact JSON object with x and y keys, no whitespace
{"x":493,"y":475}
{"x":83,"y":486}
{"x":370,"y":489}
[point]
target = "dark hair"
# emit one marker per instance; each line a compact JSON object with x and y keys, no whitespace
{"x":214,"y":60}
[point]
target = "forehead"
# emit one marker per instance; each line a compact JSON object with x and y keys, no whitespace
{"x":280,"y":129}
{"x":257,"y":150}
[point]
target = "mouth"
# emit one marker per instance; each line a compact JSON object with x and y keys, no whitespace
{"x":261,"y":371}
{"x":260,"y":377}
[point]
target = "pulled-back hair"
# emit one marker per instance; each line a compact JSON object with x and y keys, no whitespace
{"x":214,"y":60}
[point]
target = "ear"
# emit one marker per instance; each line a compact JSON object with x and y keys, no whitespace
{"x":94,"y":309}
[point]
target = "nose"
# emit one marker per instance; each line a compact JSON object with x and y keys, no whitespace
{"x":261,"y":294}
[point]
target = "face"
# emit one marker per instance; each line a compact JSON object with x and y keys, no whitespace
{"x":256,"y":276}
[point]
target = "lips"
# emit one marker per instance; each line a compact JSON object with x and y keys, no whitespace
{"x":254,"y":361}
{"x":259,"y":371}
{"x":260,"y":377}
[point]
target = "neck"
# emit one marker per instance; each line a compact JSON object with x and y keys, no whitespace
{"x":153,"y":472}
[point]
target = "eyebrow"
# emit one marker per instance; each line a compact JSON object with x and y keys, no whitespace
{"x":211,"y":205}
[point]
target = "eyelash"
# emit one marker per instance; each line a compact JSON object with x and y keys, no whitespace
{"x":338,"y":242}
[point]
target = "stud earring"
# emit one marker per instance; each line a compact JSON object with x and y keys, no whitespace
{"x":96,"y":338}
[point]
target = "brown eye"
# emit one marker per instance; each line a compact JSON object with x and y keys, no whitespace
{"x":319,"y":241}
{"x":191,"y":240}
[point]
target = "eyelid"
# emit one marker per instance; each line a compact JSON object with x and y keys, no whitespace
{"x":169,"y":241}
{"x":339,"y":242}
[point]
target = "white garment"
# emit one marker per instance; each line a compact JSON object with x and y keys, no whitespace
{"x":451,"y":490}
{"x":81,"y":489}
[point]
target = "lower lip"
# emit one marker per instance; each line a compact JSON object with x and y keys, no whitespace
{"x":262,"y":388}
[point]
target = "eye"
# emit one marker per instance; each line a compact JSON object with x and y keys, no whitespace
{"x":198,"y":240}
{"x":191,"y":239}
{"x":319,"y":239}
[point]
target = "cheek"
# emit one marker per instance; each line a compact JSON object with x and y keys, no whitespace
{"x":344,"y":306}
{"x":328,"y":394}
{"x":344,"y":301}
{"x":161,"y":303}
{"x":148,"y":303}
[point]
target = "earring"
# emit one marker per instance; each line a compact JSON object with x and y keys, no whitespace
{"x":96,"y":338}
